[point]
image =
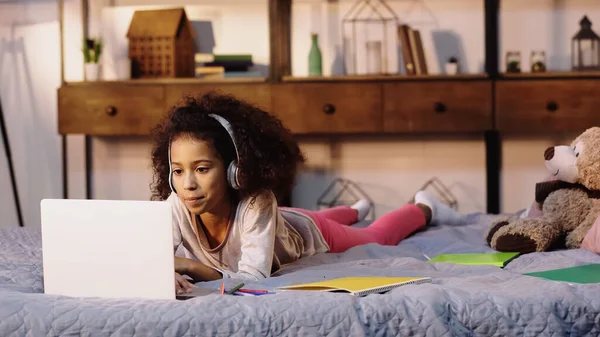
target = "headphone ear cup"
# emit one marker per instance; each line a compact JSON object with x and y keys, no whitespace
{"x":232,"y":175}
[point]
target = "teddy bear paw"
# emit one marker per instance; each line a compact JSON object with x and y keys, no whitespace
{"x":515,"y":243}
{"x":525,"y":236}
{"x":495,"y":227}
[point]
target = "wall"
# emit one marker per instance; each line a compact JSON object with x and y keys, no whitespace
{"x":390,"y":169}
{"x":29,"y":76}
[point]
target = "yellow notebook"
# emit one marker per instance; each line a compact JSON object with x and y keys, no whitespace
{"x":360,"y":285}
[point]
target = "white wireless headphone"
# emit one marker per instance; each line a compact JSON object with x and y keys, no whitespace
{"x":232,"y":169}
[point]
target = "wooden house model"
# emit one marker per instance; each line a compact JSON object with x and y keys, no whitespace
{"x":161,"y":44}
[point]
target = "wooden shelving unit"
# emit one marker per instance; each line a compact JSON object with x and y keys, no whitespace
{"x":549,"y":75}
{"x":490,"y":104}
{"x":168,"y":81}
{"x":383,"y":78}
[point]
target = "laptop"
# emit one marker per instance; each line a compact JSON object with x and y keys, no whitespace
{"x":108,"y":248}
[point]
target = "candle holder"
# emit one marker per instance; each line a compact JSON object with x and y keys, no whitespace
{"x":585,"y":48}
{"x":367,"y":37}
{"x":538,"y":61}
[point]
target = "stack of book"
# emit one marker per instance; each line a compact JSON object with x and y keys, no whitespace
{"x":224,"y":66}
{"x":413,"y":54}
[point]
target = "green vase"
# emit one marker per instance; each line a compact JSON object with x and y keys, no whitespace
{"x":315,"y":64}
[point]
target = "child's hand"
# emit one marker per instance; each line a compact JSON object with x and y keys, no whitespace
{"x":182,"y":285}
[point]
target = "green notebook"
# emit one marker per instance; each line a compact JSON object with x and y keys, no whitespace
{"x":589,"y":273}
{"x":494,"y":259}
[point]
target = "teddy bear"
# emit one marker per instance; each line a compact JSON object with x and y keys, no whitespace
{"x":569,"y":201}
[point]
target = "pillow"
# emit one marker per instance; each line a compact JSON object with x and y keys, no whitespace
{"x":591,"y":241}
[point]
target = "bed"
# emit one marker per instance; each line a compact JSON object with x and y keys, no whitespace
{"x":461,"y":300}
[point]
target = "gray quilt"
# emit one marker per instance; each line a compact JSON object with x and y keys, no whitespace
{"x":461,"y":301}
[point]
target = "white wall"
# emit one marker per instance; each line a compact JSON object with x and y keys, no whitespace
{"x":29,"y":76}
{"x":390,"y":169}
{"x":546,"y":25}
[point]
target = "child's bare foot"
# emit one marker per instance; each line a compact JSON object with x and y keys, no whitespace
{"x":441,"y":214}
{"x":362,"y":207}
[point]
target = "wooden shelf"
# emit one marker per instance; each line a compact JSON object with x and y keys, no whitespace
{"x":169,"y":81}
{"x":383,"y":78}
{"x":551,"y":75}
{"x":353,"y":104}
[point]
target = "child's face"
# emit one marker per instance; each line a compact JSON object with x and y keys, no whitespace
{"x":198,"y":175}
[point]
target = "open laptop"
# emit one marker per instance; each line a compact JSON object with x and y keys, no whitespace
{"x":108,"y":248}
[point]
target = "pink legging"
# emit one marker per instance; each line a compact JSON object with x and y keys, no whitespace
{"x":388,"y":230}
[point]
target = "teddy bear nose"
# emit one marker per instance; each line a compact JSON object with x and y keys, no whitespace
{"x":549,"y":153}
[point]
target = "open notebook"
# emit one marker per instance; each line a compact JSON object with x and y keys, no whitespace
{"x":359,"y":285}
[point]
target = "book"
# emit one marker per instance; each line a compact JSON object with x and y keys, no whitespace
{"x":204,"y":71}
{"x":494,"y":259}
{"x":207,"y":58}
{"x":407,"y":55}
{"x":232,"y":57}
{"x":359,"y":285}
{"x":419,"y":53}
{"x":588,"y":273}
{"x":246,"y":74}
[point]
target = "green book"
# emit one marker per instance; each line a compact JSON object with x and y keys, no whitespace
{"x":232,"y":57}
{"x":494,"y":259}
{"x":589,"y":273}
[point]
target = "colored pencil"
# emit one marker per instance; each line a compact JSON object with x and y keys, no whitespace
{"x":236,"y":288}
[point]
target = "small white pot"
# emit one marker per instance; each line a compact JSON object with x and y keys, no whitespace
{"x":451,"y":68}
{"x":92,"y":71}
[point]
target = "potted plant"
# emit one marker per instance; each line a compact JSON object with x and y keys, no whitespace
{"x":92,"y":49}
{"x":452,"y":66}
{"x":513,"y":62}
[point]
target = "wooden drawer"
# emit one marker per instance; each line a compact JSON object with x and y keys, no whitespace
{"x":258,"y":94}
{"x":319,"y":108}
{"x":448,"y":106}
{"x":109,"y":108}
{"x":536,"y":106}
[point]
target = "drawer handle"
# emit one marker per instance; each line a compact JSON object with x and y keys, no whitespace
{"x":551,"y":106}
{"x":329,"y":109}
{"x":111,"y":110}
{"x":439,"y":107}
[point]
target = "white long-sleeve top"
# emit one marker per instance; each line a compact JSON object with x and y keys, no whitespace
{"x":260,"y":238}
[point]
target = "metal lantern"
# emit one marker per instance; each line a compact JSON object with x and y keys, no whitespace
{"x":585,"y":48}
{"x":368,"y":32}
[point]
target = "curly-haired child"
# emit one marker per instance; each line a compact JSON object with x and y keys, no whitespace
{"x":223,"y":164}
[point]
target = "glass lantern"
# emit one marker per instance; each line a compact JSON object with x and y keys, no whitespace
{"x":585,"y":48}
{"x":538,"y":61}
{"x":369,"y":31}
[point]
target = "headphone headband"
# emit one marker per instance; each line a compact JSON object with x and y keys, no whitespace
{"x":227,"y":126}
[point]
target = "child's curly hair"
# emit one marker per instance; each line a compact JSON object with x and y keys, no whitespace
{"x":268,"y":153}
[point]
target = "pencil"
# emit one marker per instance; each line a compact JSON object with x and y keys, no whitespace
{"x":235,"y":288}
{"x":252,"y":291}
{"x":222,"y":288}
